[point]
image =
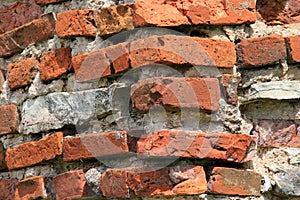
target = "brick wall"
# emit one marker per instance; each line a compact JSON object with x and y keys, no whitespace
{"x":149,"y":99}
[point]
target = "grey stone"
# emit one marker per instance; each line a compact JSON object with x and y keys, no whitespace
{"x":73,"y":85}
{"x":92,"y":177}
{"x":55,"y":110}
{"x":288,"y":182}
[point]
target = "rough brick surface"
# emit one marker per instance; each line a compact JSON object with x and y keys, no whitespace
{"x":18,"y":14}
{"x":95,"y":145}
{"x":2,"y":80}
{"x":16,"y":40}
{"x":114,"y":19}
{"x":22,"y":73}
{"x":126,"y":183}
{"x":234,"y":182}
{"x":278,"y":11}
{"x":190,"y":144}
{"x":9,"y":119}
{"x":71,"y":185}
{"x":164,"y":13}
{"x":31,"y":153}
{"x":30,"y":188}
{"x":48,"y":1}
{"x":277,"y":133}
{"x":176,"y":93}
{"x":293,"y":48}
{"x":7,"y":188}
{"x":231,"y":83}
{"x":262,"y":51}
{"x":76,"y":23}
{"x":55,"y":63}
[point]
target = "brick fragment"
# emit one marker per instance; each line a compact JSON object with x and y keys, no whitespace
{"x":16,"y":40}
{"x":45,"y":2}
{"x":2,"y":80}
{"x":192,"y":144}
{"x":261,"y":51}
{"x":7,"y":188}
{"x":231,"y":83}
{"x":180,"y":180}
{"x":32,"y":153}
{"x":95,"y":145}
{"x":76,"y":23}
{"x":231,"y":181}
{"x":293,"y":48}
{"x":71,"y":185}
{"x":114,"y":19}
{"x":55,"y":63}
{"x":176,"y":93}
{"x":9,"y":119}
{"x":18,"y":14}
{"x":22,"y":73}
{"x":175,"y":13}
{"x":30,"y":188}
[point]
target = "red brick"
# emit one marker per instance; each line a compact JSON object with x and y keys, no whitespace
{"x":22,"y":73}
{"x":293,"y":48}
{"x":30,"y":188}
{"x":114,"y":19}
{"x":192,"y":144}
{"x":177,"y":12}
{"x":9,"y":119}
{"x":130,"y":182}
{"x":261,"y":51}
{"x":278,"y":11}
{"x":32,"y":153}
{"x":71,"y":185}
{"x":18,"y":14}
{"x":101,"y":63}
{"x":95,"y":145}
{"x":16,"y":40}
{"x":7,"y":188}
{"x":231,"y":181}
{"x":76,"y":23}
{"x":277,"y":133}
{"x":55,"y":63}
{"x":176,"y":93}
{"x":2,"y":80}
{"x":231,"y":83}
{"x":49,"y":1}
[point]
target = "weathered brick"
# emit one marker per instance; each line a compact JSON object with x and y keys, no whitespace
{"x":18,"y":14}
{"x":55,"y":63}
{"x":126,"y":183}
{"x":16,"y":40}
{"x":176,"y":93}
{"x":32,"y":153}
{"x":234,"y":182}
{"x":95,"y":145}
{"x":231,"y":83}
{"x":101,"y":63}
{"x":175,"y":13}
{"x":30,"y":188}
{"x":261,"y":51}
{"x":7,"y":188}
{"x":22,"y":73}
{"x":192,"y":144}
{"x":9,"y":119}
{"x":293,"y":48}
{"x":49,"y":1}
{"x":2,"y":80}
{"x":114,"y":19}
{"x":71,"y":185}
{"x":277,"y":133}
{"x":278,"y":11}
{"x":76,"y":23}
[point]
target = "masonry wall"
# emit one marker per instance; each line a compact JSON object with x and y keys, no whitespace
{"x":150,"y":99}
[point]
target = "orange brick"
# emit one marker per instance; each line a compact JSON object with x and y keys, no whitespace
{"x":95,"y":145}
{"x":55,"y":63}
{"x":293,"y":48}
{"x":176,"y":93}
{"x":231,"y":83}
{"x":48,"y":1}
{"x":131,"y":182}
{"x":192,"y":144}
{"x":30,"y":188}
{"x":9,"y":119}
{"x":22,"y":73}
{"x":35,"y":31}
{"x":32,"y":153}
{"x":7,"y":188}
